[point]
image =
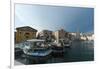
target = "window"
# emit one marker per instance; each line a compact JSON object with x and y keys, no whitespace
{"x":20,"y":32}
{"x":26,"y":33}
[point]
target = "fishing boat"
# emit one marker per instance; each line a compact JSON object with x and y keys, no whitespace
{"x":57,"y":49}
{"x":67,"y":44}
{"x":37,"y":50}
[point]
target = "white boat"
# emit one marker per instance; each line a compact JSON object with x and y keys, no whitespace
{"x":36,"y":49}
{"x":57,"y":49}
{"x":67,"y":44}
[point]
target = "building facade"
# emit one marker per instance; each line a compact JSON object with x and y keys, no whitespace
{"x":60,"y":34}
{"x":24,"y":33}
{"x":45,"y":34}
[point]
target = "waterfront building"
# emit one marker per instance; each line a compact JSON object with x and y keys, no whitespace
{"x":83,"y":37}
{"x":90,"y":37}
{"x":73,"y":35}
{"x":87,"y":36}
{"x":60,"y":34}
{"x":46,"y":35}
{"x":24,"y":33}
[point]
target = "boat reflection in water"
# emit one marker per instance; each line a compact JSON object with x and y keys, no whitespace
{"x":37,"y":51}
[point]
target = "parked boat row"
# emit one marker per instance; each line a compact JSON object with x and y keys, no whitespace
{"x":39,"y":50}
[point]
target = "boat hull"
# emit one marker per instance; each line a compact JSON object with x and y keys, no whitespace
{"x":57,"y":51}
{"x":37,"y":59}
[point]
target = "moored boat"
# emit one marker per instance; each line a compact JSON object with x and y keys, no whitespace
{"x":67,"y":44}
{"x":37,"y":50}
{"x":57,"y":49}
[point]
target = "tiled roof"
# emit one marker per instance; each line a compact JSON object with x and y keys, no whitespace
{"x":26,"y":28}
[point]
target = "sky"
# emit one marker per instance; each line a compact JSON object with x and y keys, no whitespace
{"x":45,"y":17}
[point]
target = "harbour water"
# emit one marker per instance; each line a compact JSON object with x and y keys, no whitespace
{"x":79,"y":51}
